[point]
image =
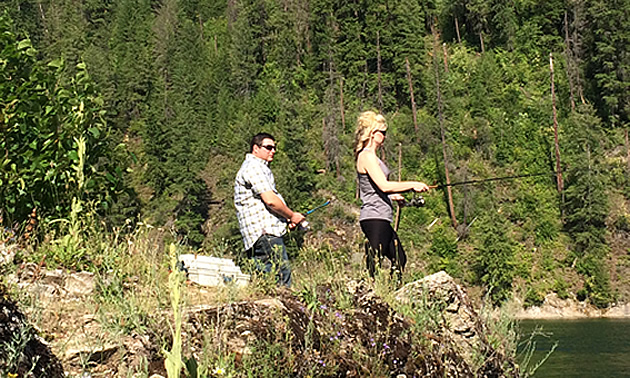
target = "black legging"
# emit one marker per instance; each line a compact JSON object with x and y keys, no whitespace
{"x":383,"y":241}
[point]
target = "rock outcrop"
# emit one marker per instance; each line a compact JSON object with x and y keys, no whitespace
{"x":53,"y":284}
{"x":80,"y":339}
{"x":458,"y":323}
{"x":351,"y":332}
{"x":342,"y":329}
{"x":23,"y":353}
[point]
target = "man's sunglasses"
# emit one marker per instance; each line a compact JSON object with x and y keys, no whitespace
{"x":269,"y":147}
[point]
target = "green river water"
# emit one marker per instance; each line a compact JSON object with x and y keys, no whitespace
{"x":586,"y":347}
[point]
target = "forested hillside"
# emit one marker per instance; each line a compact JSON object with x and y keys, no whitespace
{"x":143,"y":111}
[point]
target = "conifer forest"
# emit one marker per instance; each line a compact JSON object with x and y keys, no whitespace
{"x":141,"y":111}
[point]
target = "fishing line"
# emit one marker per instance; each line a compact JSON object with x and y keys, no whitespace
{"x":441,"y":186}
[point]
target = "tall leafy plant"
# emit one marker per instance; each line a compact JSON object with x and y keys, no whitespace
{"x":42,"y":117}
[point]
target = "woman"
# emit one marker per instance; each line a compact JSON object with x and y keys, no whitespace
{"x":377,"y":192}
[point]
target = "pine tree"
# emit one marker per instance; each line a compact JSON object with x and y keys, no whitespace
{"x":608,"y":66}
{"x":132,"y":74}
{"x":409,"y":27}
{"x":586,"y":202}
{"x":494,"y":265}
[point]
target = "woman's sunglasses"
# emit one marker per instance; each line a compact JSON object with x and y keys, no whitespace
{"x":384,"y":132}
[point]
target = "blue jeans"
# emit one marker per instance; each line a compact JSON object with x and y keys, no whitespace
{"x":269,"y":254}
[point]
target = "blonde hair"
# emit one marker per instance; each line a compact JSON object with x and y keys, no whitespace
{"x":367,"y":123}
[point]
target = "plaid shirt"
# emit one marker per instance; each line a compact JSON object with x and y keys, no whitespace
{"x":254,"y":218}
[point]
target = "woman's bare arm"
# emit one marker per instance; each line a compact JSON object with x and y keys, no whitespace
{"x":367,"y":162}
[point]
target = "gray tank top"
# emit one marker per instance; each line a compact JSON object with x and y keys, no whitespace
{"x":376,"y":204}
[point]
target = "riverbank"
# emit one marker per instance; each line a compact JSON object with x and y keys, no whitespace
{"x":554,"y":307}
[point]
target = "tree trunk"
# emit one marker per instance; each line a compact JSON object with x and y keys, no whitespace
{"x":41,"y":11}
{"x":459,"y":38}
{"x":399,"y":179}
{"x":414,"y":110}
{"x":555,"y":127}
{"x":483,"y":47}
{"x":576,"y":48}
{"x":331,"y":140}
{"x":449,"y":189}
{"x":301,"y":10}
{"x":365,"y":79}
{"x":378,"y":65}
{"x":200,"y":27}
{"x":445,"y":57}
{"x":567,"y":49}
{"x":627,"y":152}
{"x":342,"y":110}
{"x":326,"y":148}
{"x":232,"y":13}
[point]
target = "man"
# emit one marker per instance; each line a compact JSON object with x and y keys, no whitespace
{"x":261,"y":211}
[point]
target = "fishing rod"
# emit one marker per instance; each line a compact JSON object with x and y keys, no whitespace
{"x":317,"y":207}
{"x":304,"y":225}
{"x":441,"y":186}
{"x":418,"y":200}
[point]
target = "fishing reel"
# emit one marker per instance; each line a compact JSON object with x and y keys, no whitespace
{"x":304,"y":226}
{"x":416,"y":201}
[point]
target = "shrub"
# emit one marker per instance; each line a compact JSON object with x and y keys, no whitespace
{"x":494,"y":265}
{"x":43,"y":117}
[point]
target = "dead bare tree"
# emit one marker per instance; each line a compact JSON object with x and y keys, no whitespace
{"x":399,"y":179}
{"x":414,"y":110}
{"x":569,"y":57}
{"x":341,"y":105}
{"x":232,"y":13}
{"x":449,"y":190}
{"x":445,"y":57}
{"x":326,"y":145}
{"x":330,"y":126}
{"x":459,"y":38}
{"x":300,"y":9}
{"x":555,"y":126}
{"x":364,"y":84}
{"x":331,"y":144}
{"x":41,"y":12}
{"x":378,"y":65}
{"x":576,"y":45}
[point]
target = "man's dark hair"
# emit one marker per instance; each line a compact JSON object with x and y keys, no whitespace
{"x":258,"y":138}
